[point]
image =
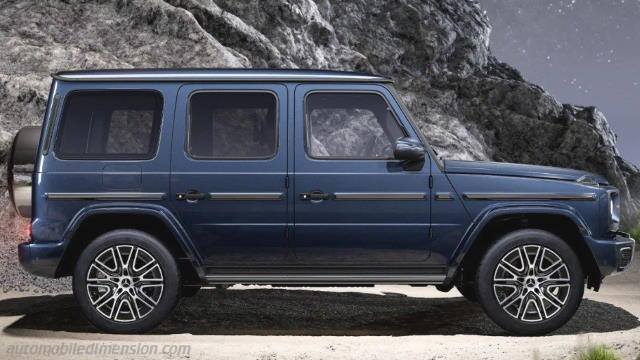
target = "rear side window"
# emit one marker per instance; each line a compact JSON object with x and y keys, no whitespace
{"x":350,"y":126}
{"x":110,"y":125}
{"x":227,"y":125}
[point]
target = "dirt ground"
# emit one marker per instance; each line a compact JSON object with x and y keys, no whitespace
{"x":385,"y":322}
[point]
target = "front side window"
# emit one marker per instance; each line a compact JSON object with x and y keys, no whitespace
{"x":110,"y":125}
{"x":227,"y":125}
{"x":350,"y":126}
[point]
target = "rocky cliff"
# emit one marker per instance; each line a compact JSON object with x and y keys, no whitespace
{"x":470,"y":105}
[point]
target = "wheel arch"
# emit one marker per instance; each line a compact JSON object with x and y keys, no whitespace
{"x":93,"y":221}
{"x":563,"y":222}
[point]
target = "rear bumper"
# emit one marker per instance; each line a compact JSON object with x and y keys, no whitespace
{"x":40,"y":259}
{"x":613,"y":255}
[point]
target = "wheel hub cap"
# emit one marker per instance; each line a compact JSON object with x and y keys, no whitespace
{"x":125,"y":283}
{"x":531,"y":283}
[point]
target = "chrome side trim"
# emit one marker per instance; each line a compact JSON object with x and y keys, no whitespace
{"x":530,"y":196}
{"x":105,"y":196}
{"x":326,"y":279}
{"x":378,"y":196}
{"x":444,"y":196}
{"x":247,"y":196}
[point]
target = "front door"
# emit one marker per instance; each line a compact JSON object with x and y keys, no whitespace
{"x":228,"y":171}
{"x":355,"y":204}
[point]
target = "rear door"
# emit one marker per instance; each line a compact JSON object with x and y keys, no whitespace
{"x":228,"y":169}
{"x":355,"y":204}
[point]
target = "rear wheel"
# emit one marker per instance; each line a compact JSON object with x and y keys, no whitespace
{"x":126,"y":281}
{"x":530,"y":282}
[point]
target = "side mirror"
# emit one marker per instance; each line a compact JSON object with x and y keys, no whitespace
{"x":408,"y":149}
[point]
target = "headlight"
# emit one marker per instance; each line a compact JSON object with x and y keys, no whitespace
{"x":614,"y":211}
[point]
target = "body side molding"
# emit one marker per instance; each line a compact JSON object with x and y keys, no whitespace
{"x":444,"y":196}
{"x":379,"y":196}
{"x":246,"y":196}
{"x":105,"y":196}
{"x":528,"y":196}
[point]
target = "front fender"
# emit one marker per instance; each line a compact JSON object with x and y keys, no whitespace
{"x":503,"y":209}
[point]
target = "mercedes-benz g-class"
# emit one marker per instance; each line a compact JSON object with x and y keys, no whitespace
{"x":145,"y":185}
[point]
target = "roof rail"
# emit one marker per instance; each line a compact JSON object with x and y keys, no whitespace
{"x":200,"y":74}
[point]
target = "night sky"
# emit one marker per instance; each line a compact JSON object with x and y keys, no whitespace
{"x":585,"y":52}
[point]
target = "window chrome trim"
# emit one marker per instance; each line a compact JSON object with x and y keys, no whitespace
{"x":529,"y":196}
{"x":379,"y":196}
{"x":307,"y":128}
{"x":219,"y":196}
{"x":187,"y":149}
{"x":59,"y":127}
{"x":104,"y":196}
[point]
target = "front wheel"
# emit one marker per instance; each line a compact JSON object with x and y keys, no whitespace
{"x":126,"y":281}
{"x":530,"y":282}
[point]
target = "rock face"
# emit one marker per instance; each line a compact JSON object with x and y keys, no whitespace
{"x":467,"y":103}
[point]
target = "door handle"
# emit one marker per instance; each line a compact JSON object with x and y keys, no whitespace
{"x":315,"y":196}
{"x":191,"y":196}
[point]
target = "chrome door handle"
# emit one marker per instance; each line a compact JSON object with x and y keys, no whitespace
{"x":191,"y":196}
{"x":315,"y":196}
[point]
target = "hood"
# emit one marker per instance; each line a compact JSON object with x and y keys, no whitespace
{"x":519,"y":170}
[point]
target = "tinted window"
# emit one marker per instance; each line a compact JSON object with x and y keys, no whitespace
{"x":110,"y":125}
{"x":232,"y":125}
{"x":351,"y":126}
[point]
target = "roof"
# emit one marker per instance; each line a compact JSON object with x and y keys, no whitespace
{"x":201,"y":74}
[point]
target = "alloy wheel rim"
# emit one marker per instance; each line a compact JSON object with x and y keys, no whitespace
{"x":124,"y":283}
{"x":531,"y":283}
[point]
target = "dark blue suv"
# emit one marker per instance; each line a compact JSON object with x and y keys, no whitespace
{"x":145,"y":185}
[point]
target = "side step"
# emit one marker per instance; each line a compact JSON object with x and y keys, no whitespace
{"x":327,"y":279}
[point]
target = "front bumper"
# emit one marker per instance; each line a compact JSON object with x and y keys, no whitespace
{"x":614,"y":254}
{"x":40,"y":259}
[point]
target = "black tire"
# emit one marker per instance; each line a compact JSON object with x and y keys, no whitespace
{"x":541,"y":313}
{"x":189,"y":291}
{"x":467,"y":290}
{"x":132,"y":296}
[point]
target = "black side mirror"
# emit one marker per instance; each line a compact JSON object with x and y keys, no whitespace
{"x":408,"y":149}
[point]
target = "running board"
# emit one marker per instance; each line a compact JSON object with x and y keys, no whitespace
{"x":355,"y":279}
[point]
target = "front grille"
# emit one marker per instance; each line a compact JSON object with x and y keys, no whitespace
{"x":626,"y":254}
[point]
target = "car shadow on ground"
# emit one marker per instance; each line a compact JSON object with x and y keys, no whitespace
{"x":299,"y":312}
